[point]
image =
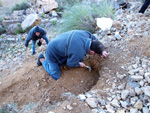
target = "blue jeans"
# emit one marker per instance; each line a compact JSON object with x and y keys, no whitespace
{"x":52,"y":68}
{"x":33,"y":45}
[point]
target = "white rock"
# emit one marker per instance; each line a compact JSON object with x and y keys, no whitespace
{"x":31,"y":20}
{"x":117,"y":35}
{"x":124,"y":104}
{"x":136,"y":78}
{"x":115,"y":103}
{"x":133,"y":110}
{"x":146,"y":90}
{"x":147,"y":77}
{"x":110,"y":109}
{"x":132,"y":92}
{"x":69,"y":107}
{"x":138,"y":91}
{"x":88,"y":95}
{"x":131,"y":72}
{"x":138,"y":105}
{"x":81,"y":97}
{"x":92,"y":102}
{"x":145,"y":110}
{"x":51,"y":112}
{"x":120,"y":111}
{"x":133,"y":100}
{"x":142,"y":83}
{"x":104,"y":23}
{"x":124,"y":94}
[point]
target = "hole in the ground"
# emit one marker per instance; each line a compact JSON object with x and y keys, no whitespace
{"x":33,"y":84}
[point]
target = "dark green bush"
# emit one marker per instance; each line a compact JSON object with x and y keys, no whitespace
{"x":21,"y":6}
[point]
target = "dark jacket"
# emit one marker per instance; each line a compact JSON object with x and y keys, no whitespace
{"x":32,"y":35}
{"x":70,"y":47}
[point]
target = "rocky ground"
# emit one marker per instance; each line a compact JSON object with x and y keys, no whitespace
{"x":118,"y":84}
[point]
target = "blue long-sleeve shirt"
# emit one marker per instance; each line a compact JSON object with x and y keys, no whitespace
{"x":70,"y":47}
{"x":33,"y":36}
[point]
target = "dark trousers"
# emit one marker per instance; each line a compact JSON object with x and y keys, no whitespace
{"x":144,"y":6}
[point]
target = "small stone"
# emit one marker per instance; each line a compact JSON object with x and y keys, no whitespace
{"x":121,"y":87}
{"x":138,"y":91}
{"x":133,"y":110}
{"x":133,"y":71}
{"x":124,"y":94}
{"x":81,"y":97}
{"x":91,"y":102}
{"x":138,"y":105}
{"x":145,"y":110}
{"x":133,"y":100}
{"x":101,"y":102}
{"x":120,"y":111}
{"x":146,"y":90}
{"x":147,"y":77}
{"x":136,"y":78}
{"x":124,"y":104}
{"x":69,"y":107}
{"x":74,"y":104}
{"x":117,"y":35}
{"x":132,"y":92}
{"x":88,"y":95}
{"x":110,"y":109}
{"x":115,"y":103}
{"x":51,"y":112}
{"x":142,"y":83}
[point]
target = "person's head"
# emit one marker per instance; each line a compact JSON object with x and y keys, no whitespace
{"x":96,"y":48}
{"x":37,"y":31}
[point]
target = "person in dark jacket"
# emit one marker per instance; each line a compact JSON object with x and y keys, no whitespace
{"x":144,"y":6}
{"x":36,"y":33}
{"x":69,"y":49}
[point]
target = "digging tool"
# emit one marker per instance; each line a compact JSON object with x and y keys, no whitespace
{"x":88,"y":68}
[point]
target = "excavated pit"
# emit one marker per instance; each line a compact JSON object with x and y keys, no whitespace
{"x":32,"y":84}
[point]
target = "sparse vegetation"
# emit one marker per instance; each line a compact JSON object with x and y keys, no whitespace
{"x":2,"y":30}
{"x":66,"y":3}
{"x":43,"y":15}
{"x":21,"y":6}
{"x":0,"y":3}
{"x":54,"y":22}
{"x":83,"y":17}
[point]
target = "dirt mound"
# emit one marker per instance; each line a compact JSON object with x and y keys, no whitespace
{"x":32,"y":84}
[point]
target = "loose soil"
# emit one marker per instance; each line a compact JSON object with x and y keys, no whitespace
{"x":32,"y":84}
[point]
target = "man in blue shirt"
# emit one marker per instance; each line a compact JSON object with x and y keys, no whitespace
{"x":36,"y":33}
{"x":69,"y":49}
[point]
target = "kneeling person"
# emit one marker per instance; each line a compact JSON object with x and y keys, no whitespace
{"x":69,"y":49}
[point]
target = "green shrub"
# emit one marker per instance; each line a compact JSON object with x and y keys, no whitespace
{"x":2,"y":30}
{"x":43,"y":15}
{"x":21,"y":6}
{"x":54,"y":22}
{"x":66,"y":3}
{"x":83,"y":17}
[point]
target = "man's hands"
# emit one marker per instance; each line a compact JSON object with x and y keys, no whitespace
{"x":41,"y":40}
{"x":104,"y":54}
{"x":82,"y":64}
